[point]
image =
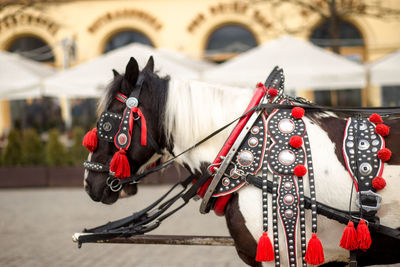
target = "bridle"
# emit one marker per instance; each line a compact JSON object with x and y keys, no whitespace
{"x":117,"y":129}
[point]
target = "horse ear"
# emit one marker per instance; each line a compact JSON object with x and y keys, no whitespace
{"x":115,"y":73}
{"x":132,"y":71}
{"x":150,"y":64}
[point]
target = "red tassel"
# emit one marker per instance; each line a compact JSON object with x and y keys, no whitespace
{"x":378,"y":183}
{"x":349,"y":237}
{"x":375,"y":118}
{"x":298,"y":112}
{"x":300,"y":170}
{"x":90,"y":140}
{"x":382,"y":129}
{"x":363,"y":235}
{"x":296,"y":141}
{"x":265,"y":251}
{"x":384,"y":154}
{"x":315,"y":251}
{"x":120,"y":165}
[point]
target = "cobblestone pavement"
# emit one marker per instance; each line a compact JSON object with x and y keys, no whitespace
{"x":36,"y":226}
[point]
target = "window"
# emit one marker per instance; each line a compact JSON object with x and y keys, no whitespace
{"x":33,"y":48}
{"x":126,"y":37}
{"x":228,"y":41}
{"x":351,"y":45}
{"x":391,"y":96}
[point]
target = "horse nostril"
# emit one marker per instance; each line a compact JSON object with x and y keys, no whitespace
{"x":87,"y":187}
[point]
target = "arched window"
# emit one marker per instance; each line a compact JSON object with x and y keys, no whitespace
{"x":351,"y":45}
{"x":126,"y":37}
{"x":32,"y":47}
{"x":350,"y":42}
{"x":228,"y":41}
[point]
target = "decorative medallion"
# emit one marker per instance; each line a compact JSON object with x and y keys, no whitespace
{"x":286,"y":126}
{"x":122,"y":139}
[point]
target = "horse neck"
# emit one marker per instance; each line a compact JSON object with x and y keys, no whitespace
{"x":196,"y":109}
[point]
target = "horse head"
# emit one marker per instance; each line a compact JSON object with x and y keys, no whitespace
{"x":129,"y":133}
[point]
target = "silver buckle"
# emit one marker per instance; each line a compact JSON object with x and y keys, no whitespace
{"x":366,"y":207}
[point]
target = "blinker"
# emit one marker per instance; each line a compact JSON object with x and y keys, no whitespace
{"x":107,"y":126}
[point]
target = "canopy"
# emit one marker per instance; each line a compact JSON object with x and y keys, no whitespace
{"x":89,"y":79}
{"x":305,"y":65}
{"x":21,"y":78}
{"x":386,"y":71}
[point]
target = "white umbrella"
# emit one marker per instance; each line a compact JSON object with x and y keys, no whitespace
{"x":89,"y":79}
{"x":386,"y":71}
{"x":183,"y":59}
{"x":21,"y":78}
{"x":305,"y":66}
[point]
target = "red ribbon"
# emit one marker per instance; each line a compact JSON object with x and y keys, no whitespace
{"x":143,"y":139}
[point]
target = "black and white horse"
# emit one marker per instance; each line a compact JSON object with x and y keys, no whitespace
{"x":180,"y":113}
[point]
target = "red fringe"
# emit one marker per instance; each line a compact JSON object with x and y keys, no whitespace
{"x":315,"y":251}
{"x":375,"y":118}
{"x":298,"y":112}
{"x":378,"y":183}
{"x":296,"y":141}
{"x":349,"y":237}
{"x":363,"y":235}
{"x":120,"y":165}
{"x":90,"y":140}
{"x":300,"y":170}
{"x":265,"y":251}
{"x":384,"y":154}
{"x":382,"y":129}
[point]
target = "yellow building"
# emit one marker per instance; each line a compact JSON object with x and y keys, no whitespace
{"x":216,"y":30}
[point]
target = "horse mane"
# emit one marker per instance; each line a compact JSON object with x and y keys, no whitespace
{"x":194,"y":110}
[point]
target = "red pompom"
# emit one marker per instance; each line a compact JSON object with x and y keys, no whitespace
{"x":265,"y":251}
{"x":363,"y":235}
{"x":384,"y":154}
{"x":349,"y":237}
{"x":120,"y":165}
{"x":298,"y":112}
{"x":378,"y":183}
{"x":296,"y":141}
{"x":90,"y":140}
{"x":300,"y":170}
{"x":315,"y":251}
{"x":375,"y":118}
{"x":260,"y":85}
{"x":382,"y":129}
{"x":272,"y":92}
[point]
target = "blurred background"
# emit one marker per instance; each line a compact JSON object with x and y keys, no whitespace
{"x":57,"y":56}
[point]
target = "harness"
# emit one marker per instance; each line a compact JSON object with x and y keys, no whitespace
{"x":269,"y":135}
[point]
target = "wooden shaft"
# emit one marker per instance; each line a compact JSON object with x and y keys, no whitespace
{"x":171,"y":240}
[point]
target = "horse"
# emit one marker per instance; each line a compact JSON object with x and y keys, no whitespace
{"x":180,"y":113}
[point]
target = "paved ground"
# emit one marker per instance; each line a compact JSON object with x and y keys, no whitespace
{"x":36,"y":226}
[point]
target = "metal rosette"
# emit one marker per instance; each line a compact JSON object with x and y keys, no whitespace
{"x":362,"y":151}
{"x":247,"y":160}
{"x":282,"y":159}
{"x":107,"y":126}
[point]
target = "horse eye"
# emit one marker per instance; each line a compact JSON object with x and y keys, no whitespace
{"x":107,"y":126}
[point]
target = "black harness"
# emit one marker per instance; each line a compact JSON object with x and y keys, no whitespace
{"x":116,"y":128}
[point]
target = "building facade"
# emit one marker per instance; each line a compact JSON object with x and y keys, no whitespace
{"x":67,"y":33}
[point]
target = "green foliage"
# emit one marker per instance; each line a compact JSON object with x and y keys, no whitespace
{"x":78,"y":153}
{"x":32,"y":149}
{"x":56,"y":154}
{"x":13,"y":152}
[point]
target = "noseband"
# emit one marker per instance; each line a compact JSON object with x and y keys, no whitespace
{"x":117,"y":129}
